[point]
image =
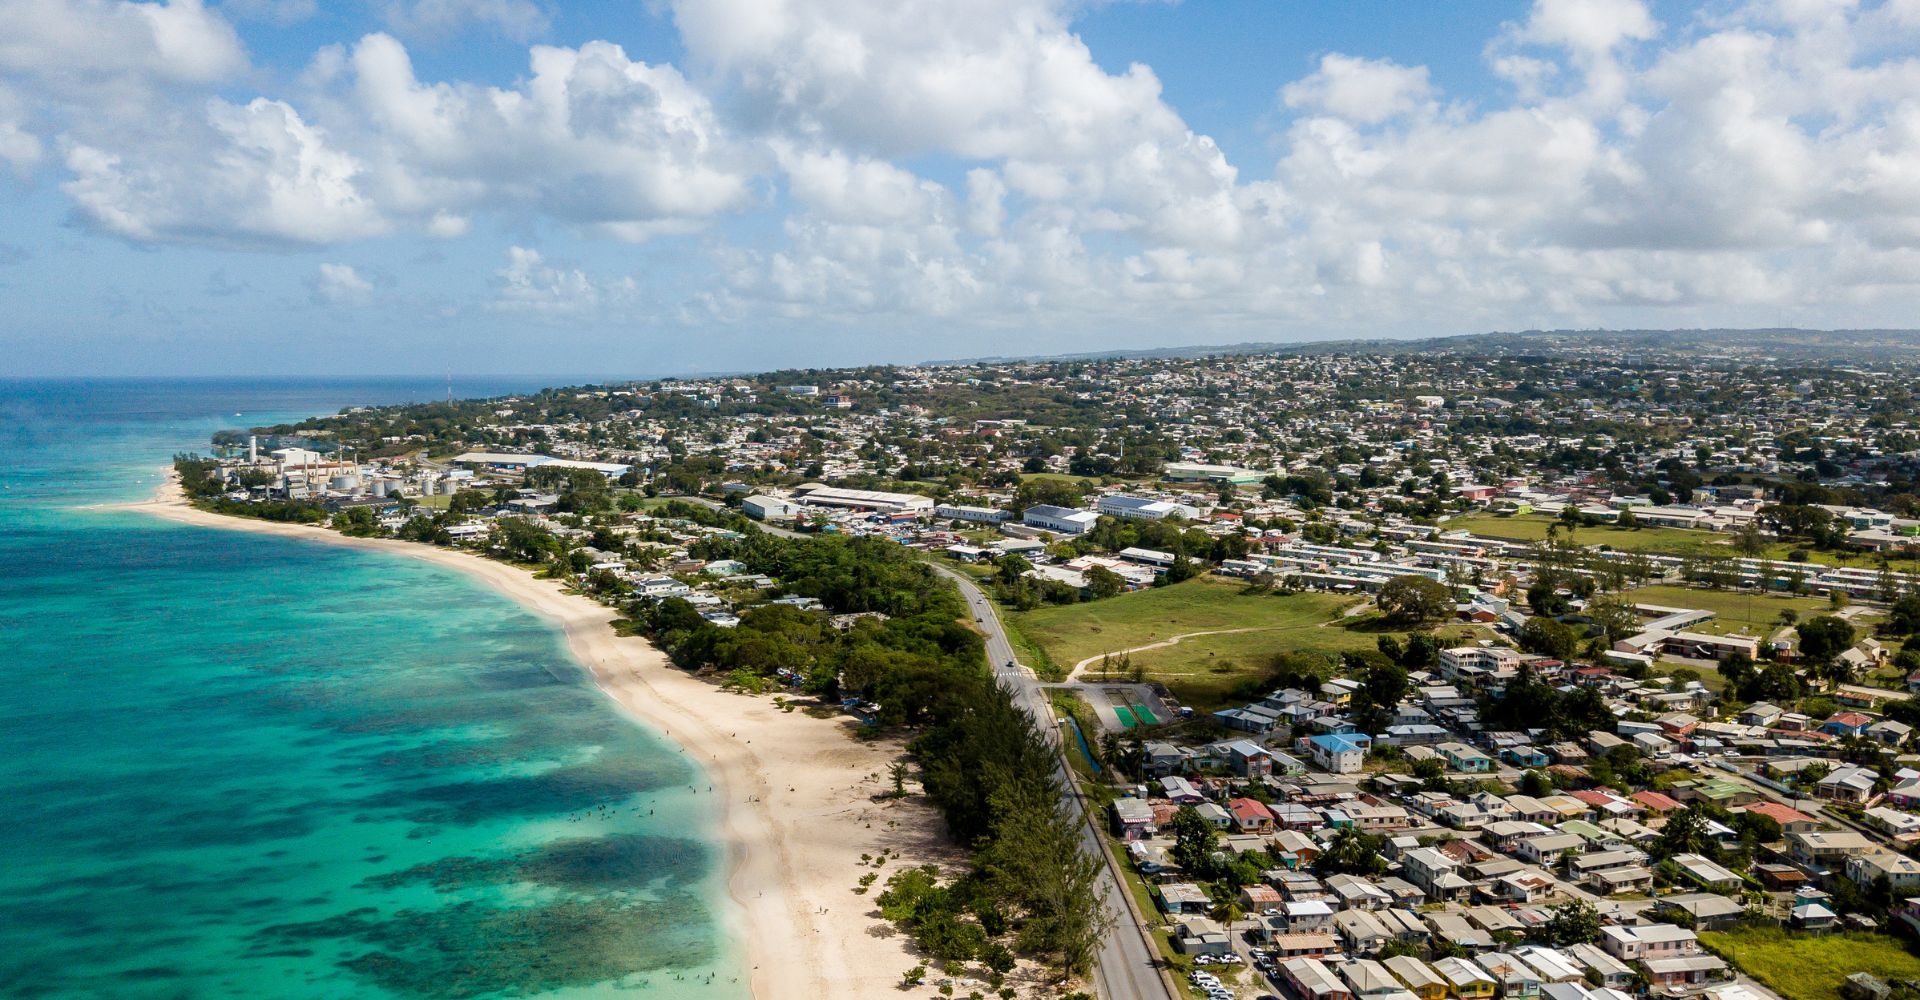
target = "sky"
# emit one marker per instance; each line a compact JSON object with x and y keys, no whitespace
{"x":660,"y":187}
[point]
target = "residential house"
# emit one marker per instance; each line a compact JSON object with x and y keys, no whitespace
{"x":1368,"y":979}
{"x":1683,"y":971}
{"x":1791,"y":820}
{"x":1248,"y":759}
{"x":1163,"y":759}
{"x":1132,"y":819}
{"x":1550,"y":964}
{"x":1418,"y":977}
{"x":1465,"y":980}
{"x":1310,"y":979}
{"x":1181,"y":791}
{"x":1201,"y":936}
{"x":1462,"y":757}
{"x":1705,"y":872}
{"x":1361,"y":931}
{"x":1890,"y":733}
{"x":1435,"y":874}
{"x":1846,"y":724}
{"x":1250,"y":815}
{"x":1340,"y":753}
{"x":1847,"y":783}
{"x":1613,"y":973}
{"x":1901,"y":872}
{"x":1517,"y":979}
{"x":1705,"y":910}
{"x":1761,"y":713}
{"x":1645,"y":941}
{"x":1177,"y":898}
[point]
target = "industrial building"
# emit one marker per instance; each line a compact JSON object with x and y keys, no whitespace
{"x":1063,"y":520}
{"x":818,"y":495}
{"x":1140,"y":508}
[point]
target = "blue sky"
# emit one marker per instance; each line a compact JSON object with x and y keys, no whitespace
{"x":399,"y":186}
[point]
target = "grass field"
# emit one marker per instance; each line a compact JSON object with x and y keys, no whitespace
{"x":1758,"y":614}
{"x":1660,"y":541}
{"x":1811,"y":968}
{"x":1201,"y":670}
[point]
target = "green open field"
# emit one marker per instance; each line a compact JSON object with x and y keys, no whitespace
{"x":1758,"y":614}
{"x":1200,"y":670}
{"x":1659,"y":541}
{"x":1806,"y":967}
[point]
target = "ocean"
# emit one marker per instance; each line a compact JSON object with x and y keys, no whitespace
{"x":233,"y":765}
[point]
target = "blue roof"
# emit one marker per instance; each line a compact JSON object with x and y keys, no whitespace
{"x":1340,"y":742}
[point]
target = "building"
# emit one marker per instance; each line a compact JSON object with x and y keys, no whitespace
{"x":1465,"y":980}
{"x":1193,"y":472}
{"x":1418,"y":977}
{"x":1826,"y":848}
{"x":817,"y":495}
{"x":1139,"y":508}
{"x":1310,"y":979}
{"x":1462,"y":757}
{"x":1132,"y":819}
{"x":1341,"y":753}
{"x":766,"y":508}
{"x":1368,"y":978}
{"x":972,"y":515}
{"x":1060,"y":520}
{"x":1900,"y":871}
{"x":1648,"y":941}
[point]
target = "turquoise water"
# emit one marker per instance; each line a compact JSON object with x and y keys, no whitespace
{"x":239,"y":766}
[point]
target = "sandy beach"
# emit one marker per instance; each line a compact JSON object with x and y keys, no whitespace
{"x":798,"y":791}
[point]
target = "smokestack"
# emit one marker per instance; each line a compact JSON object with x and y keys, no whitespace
{"x":253,"y":449}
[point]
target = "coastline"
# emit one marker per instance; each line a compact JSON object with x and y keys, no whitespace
{"x":797,"y":792}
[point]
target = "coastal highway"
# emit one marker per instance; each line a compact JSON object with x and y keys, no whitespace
{"x":1125,"y":967}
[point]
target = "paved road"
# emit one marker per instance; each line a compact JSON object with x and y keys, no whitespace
{"x":1125,"y":968}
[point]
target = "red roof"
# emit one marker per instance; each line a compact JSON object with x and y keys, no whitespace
{"x":1248,"y":809}
{"x":1656,"y":801}
{"x":1779,"y":813}
{"x":1852,"y":720}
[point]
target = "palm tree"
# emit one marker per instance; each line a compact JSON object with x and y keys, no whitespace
{"x":1228,"y":911}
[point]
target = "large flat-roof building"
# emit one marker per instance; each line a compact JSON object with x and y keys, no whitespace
{"x":1194,"y":472}
{"x":1140,"y":508}
{"x":816,"y":495}
{"x":1063,"y":520}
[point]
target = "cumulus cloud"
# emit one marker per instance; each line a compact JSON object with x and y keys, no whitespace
{"x":237,"y":174}
{"x":975,"y":162}
{"x":591,"y":138}
{"x":528,"y":284}
{"x":340,"y":284}
{"x":1360,"y":90}
{"x":179,"y":41}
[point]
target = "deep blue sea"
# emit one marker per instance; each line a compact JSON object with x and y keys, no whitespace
{"x":240,"y":766}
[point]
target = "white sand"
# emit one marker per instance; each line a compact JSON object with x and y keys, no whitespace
{"x":797,"y":790}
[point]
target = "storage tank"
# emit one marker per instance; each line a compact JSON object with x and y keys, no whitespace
{"x":344,"y":484}
{"x":449,"y":486}
{"x":380,"y":488}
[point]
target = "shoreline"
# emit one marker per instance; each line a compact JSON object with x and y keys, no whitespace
{"x":797,"y":809}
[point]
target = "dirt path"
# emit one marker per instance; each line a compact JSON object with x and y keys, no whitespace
{"x":1074,"y":675}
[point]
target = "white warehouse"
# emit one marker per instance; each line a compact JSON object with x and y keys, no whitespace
{"x":1140,"y":508}
{"x":1063,"y":520}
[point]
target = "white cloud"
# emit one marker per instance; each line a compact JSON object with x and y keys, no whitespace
{"x":528,"y":284}
{"x":974,"y":163}
{"x":591,"y":138}
{"x":178,"y":41}
{"x":341,"y":285}
{"x":240,"y":174}
{"x":1368,"y":91}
